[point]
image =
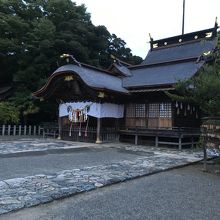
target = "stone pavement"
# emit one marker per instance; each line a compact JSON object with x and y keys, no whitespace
{"x":29,"y":191}
{"x":37,"y":144}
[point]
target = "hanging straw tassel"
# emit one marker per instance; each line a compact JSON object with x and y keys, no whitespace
{"x":178,"y":111}
{"x":176,"y":104}
{"x":188,"y":107}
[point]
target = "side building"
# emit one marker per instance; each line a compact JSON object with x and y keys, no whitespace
{"x":130,"y":102}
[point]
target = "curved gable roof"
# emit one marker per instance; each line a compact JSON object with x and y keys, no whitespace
{"x":166,"y":74}
{"x":92,"y":77}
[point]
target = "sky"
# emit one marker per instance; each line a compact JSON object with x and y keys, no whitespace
{"x":132,"y":21}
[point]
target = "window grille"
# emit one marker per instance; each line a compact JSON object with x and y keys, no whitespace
{"x":153,"y":110}
{"x":130,"y":111}
{"x":160,"y":110}
{"x":136,"y":111}
{"x":165,"y":110}
{"x":140,"y":110}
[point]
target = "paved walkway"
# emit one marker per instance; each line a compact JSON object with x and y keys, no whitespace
{"x":24,"y":192}
{"x":33,"y":145}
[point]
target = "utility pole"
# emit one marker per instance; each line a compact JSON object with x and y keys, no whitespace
{"x":183,"y":17}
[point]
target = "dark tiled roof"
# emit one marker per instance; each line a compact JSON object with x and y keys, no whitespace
{"x":93,"y":78}
{"x":172,"y":59}
{"x":122,"y":69}
{"x":181,"y":51}
{"x":161,"y":75}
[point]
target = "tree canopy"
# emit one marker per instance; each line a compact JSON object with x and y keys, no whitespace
{"x":34,"y":33}
{"x":203,"y":90}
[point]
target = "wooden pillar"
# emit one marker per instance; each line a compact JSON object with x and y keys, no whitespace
{"x":59,"y":127}
{"x":14,"y":130}
{"x":29,"y":130}
{"x":3,"y":130}
{"x":19,"y":130}
{"x":136,"y":139}
{"x":205,"y":154}
{"x":192,"y":139}
{"x":180,"y":142}
{"x":98,"y":131}
{"x":39,"y":130}
{"x":34,"y":130}
{"x":156,"y":141}
{"x":117,"y":137}
{"x":9,"y":129}
{"x":25,"y":129}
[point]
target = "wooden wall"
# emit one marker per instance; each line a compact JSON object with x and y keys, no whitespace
{"x":149,"y":115}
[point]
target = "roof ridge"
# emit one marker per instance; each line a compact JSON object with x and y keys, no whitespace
{"x":207,"y":34}
{"x":170,"y":62}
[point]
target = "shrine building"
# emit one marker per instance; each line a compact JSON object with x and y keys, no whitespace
{"x":130,"y":102}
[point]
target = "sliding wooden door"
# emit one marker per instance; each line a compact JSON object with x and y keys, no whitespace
{"x":159,"y":115}
{"x":136,"y":115}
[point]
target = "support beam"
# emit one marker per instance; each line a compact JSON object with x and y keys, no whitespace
{"x":156,"y":141}
{"x":136,"y":139}
{"x":19,"y":130}
{"x":3,"y":130}
{"x":98,"y":132}
{"x":59,"y":127}
{"x":9,"y":130}
{"x":14,"y":130}
{"x":180,"y":142}
{"x":192,"y":139}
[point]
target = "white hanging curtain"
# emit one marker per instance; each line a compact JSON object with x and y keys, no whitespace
{"x":104,"y":110}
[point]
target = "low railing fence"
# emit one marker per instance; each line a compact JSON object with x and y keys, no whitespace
{"x":77,"y":133}
{"x":21,"y":130}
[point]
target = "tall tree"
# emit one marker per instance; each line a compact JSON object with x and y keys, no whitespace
{"x":33,"y":34}
{"x":202,"y":90}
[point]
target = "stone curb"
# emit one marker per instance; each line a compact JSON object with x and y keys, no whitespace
{"x":30,"y":191}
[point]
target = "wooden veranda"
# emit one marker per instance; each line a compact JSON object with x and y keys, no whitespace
{"x":173,"y":136}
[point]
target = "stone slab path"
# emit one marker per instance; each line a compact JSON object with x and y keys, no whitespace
{"x":29,"y":191}
{"x":33,"y":145}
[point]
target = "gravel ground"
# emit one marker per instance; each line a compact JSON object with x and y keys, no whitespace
{"x":46,"y":163}
{"x":183,"y":194}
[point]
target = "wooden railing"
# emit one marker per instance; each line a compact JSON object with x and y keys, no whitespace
{"x":177,"y":136}
{"x":21,"y":130}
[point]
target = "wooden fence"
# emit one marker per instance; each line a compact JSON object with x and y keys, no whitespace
{"x":75,"y":134}
{"x":21,"y":130}
{"x":211,"y":134}
{"x":211,"y":138}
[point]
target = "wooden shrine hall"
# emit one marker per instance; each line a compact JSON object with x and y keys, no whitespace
{"x":129,"y":103}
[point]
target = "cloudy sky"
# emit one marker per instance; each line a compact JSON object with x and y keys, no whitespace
{"x":134,"y":20}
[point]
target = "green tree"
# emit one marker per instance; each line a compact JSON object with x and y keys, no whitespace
{"x":8,"y":113}
{"x":202,"y":90}
{"x":117,"y":47}
{"x":34,"y":33}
